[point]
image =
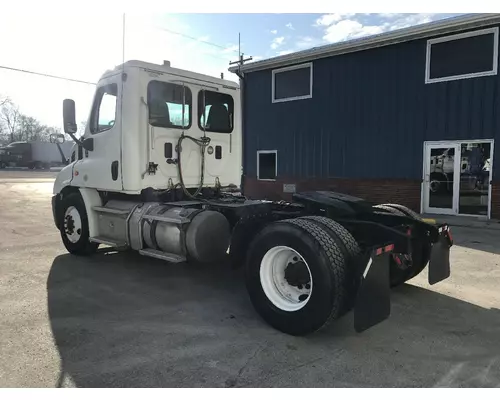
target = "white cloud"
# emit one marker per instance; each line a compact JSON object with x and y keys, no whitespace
{"x":407,"y":20}
{"x":274,"y":31}
{"x":349,"y":29}
{"x":328,"y":19}
{"x":277,"y":42}
{"x":340,"y":27}
{"x":389,"y":15}
{"x":290,"y":26}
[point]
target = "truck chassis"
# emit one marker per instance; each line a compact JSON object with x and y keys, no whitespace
{"x":307,"y":262}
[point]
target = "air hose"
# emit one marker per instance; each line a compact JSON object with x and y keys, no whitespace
{"x":203,"y":143}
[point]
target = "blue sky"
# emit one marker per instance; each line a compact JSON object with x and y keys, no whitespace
{"x":72,"y":47}
{"x":268,"y":35}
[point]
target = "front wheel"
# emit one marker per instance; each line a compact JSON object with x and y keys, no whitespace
{"x":295,"y":276}
{"x":74,"y":226}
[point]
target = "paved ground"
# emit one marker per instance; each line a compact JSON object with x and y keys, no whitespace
{"x":124,"y":320}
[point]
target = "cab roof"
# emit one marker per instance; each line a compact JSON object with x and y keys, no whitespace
{"x":166,"y":68}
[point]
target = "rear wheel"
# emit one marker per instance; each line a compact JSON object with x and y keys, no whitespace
{"x":74,"y":226}
{"x":350,"y":249}
{"x":295,"y":275}
{"x":405,"y":210}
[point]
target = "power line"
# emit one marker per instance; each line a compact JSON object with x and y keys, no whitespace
{"x":196,"y":39}
{"x":46,"y":75}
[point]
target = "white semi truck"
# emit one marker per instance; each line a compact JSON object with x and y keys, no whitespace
{"x":158,"y":171}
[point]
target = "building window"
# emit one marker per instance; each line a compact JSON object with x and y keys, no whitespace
{"x":292,"y":83}
{"x":461,"y":56}
{"x":104,"y":109}
{"x":166,"y":102}
{"x":267,"y":165}
{"x":217,"y":109}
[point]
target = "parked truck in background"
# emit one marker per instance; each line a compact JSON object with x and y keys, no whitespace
{"x":158,"y":171}
{"x":36,"y":154}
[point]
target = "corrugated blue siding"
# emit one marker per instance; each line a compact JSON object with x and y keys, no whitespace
{"x":369,"y":116}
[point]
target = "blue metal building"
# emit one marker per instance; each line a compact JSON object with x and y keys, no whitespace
{"x":384,"y":117}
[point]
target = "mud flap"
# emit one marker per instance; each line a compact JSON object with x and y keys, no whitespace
{"x":439,"y":263}
{"x":373,"y":301}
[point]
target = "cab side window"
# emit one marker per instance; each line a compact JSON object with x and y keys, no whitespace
{"x":215,"y":111}
{"x":169,"y":105}
{"x":104,"y":109}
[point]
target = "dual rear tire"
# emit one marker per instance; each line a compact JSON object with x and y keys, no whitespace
{"x":299,"y":275}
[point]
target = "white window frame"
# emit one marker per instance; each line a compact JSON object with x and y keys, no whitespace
{"x":285,"y":69}
{"x":259,"y":152}
{"x":430,"y":42}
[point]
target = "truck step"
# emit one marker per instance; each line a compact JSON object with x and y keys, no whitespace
{"x":173,"y":258}
{"x":107,"y":242}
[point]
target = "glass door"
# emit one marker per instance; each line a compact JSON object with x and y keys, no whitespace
{"x":441,"y":178}
{"x":475,"y":178}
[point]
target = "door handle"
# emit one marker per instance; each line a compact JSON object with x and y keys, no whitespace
{"x":152,"y":138}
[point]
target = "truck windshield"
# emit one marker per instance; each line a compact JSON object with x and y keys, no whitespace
{"x":165,"y":103}
{"x":217,"y":109}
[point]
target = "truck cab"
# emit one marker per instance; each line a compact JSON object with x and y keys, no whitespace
{"x":139,"y":112}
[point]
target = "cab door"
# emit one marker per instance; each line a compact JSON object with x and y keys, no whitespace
{"x":170,"y":114}
{"x":101,"y":167}
{"x":215,"y":119}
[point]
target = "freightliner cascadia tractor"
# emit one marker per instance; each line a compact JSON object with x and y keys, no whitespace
{"x":158,"y":171}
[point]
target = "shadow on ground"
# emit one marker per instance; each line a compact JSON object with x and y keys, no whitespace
{"x":477,"y":238}
{"x":122,"y":320}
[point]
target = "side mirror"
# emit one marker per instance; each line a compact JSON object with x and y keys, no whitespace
{"x":57,"y":138}
{"x":69,"y":119}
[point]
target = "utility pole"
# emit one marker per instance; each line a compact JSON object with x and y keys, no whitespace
{"x":241,"y":60}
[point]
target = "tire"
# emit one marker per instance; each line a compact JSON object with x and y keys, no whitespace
{"x":76,"y":243}
{"x":325,"y":264}
{"x":420,"y":258}
{"x":390,"y":210}
{"x":405,"y":210}
{"x":351,"y":251}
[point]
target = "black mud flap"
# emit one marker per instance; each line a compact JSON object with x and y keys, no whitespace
{"x":439,"y":263}
{"x":373,"y":301}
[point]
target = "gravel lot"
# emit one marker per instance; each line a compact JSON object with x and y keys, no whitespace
{"x":122,"y":320}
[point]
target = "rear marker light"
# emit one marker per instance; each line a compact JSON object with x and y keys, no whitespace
{"x":385,"y":249}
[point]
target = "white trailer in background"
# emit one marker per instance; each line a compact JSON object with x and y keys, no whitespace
{"x":36,"y":155}
{"x":51,"y":154}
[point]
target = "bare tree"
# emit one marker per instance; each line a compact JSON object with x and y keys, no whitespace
{"x":30,"y":129}
{"x":9,"y":115}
